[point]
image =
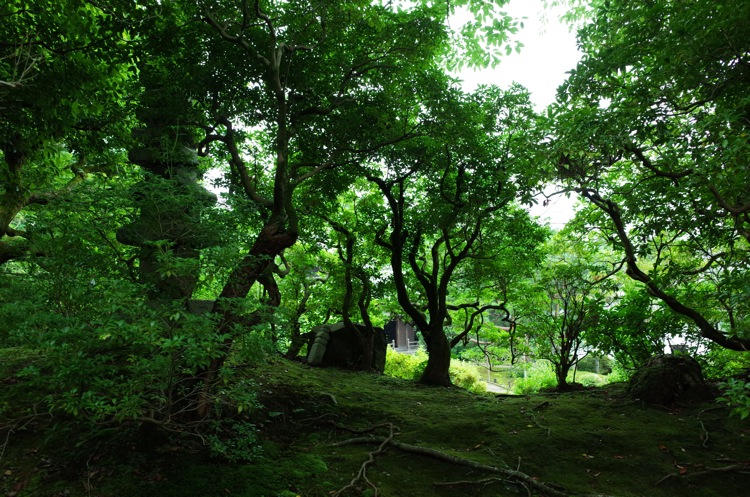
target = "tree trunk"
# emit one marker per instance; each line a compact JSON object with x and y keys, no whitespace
{"x":437,"y":371}
{"x":561,"y":372}
{"x":297,"y":340}
{"x":272,"y":240}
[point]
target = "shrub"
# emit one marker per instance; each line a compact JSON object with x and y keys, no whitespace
{"x":405,"y":366}
{"x":538,"y":376}
{"x":589,"y":380}
{"x":466,"y":375}
{"x":410,"y":367}
{"x":737,"y":396}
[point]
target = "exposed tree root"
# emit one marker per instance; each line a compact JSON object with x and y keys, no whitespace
{"x":512,"y":476}
{"x":515,"y":477}
{"x":705,"y":434}
{"x":483,"y":483}
{"x":362,"y":473}
{"x":743,"y":466}
{"x":360,"y":431}
{"x":533,"y":418}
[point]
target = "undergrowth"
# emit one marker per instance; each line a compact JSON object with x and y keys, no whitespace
{"x":592,"y":442}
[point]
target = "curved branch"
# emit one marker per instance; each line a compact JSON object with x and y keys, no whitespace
{"x":707,"y":330}
{"x":651,"y":167}
{"x":236,"y":40}
{"x":238,"y":164}
{"x":742,"y":209}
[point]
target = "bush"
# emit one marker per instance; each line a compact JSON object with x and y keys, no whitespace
{"x":405,"y":366}
{"x":538,"y":376}
{"x":410,"y":367}
{"x":590,"y":379}
{"x":466,"y":375}
{"x":737,"y":396}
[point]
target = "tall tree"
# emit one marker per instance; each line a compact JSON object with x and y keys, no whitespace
{"x":303,"y":90}
{"x":652,"y":131}
{"x":449,"y":196}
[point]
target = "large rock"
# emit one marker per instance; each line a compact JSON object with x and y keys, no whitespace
{"x":335,"y":345}
{"x":669,"y":379}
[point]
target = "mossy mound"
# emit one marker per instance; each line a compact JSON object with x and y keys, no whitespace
{"x":590,"y":442}
{"x":669,"y":379}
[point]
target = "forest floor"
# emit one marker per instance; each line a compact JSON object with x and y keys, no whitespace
{"x":318,"y":427}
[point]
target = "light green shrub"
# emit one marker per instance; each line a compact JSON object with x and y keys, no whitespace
{"x":466,"y":375}
{"x":410,"y":367}
{"x":405,"y":366}
{"x":589,"y":379}
{"x":539,"y":375}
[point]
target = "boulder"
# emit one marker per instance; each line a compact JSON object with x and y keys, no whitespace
{"x":669,"y":379}
{"x":335,"y":345}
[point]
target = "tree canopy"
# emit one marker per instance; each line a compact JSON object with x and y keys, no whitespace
{"x":652,"y":131}
{"x":186,"y":185}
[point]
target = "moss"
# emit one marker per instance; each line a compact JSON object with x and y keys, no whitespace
{"x":596,"y":441}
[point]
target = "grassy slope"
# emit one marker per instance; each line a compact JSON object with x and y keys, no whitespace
{"x":591,"y":442}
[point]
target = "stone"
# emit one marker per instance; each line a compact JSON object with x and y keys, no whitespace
{"x":670,"y":379}
{"x":335,"y":345}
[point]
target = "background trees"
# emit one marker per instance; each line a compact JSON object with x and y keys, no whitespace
{"x":295,"y":101}
{"x":564,"y":304}
{"x":63,"y":80}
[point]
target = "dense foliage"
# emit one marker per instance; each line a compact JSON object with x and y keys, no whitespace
{"x":188,"y":186}
{"x":652,"y":132}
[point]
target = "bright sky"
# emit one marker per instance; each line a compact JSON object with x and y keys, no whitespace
{"x":549,"y":52}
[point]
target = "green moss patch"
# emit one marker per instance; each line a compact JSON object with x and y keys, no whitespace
{"x":594,"y":441}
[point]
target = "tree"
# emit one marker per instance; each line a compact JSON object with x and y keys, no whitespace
{"x":326,"y":86}
{"x":449,"y":198}
{"x":292,"y":98}
{"x":635,"y":328}
{"x":652,"y":131}
{"x":564,"y":304}
{"x":362,"y":267}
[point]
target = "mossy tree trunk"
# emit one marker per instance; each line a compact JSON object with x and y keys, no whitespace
{"x":168,"y":229}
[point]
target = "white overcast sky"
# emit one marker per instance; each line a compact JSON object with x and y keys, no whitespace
{"x":549,"y":52}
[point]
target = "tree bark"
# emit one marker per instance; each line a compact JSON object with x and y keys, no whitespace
{"x":437,"y":371}
{"x":272,"y":240}
{"x":296,"y":338}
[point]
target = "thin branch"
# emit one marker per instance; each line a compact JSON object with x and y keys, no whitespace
{"x":236,"y":40}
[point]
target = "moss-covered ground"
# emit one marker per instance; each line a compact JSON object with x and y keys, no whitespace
{"x":590,"y":442}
